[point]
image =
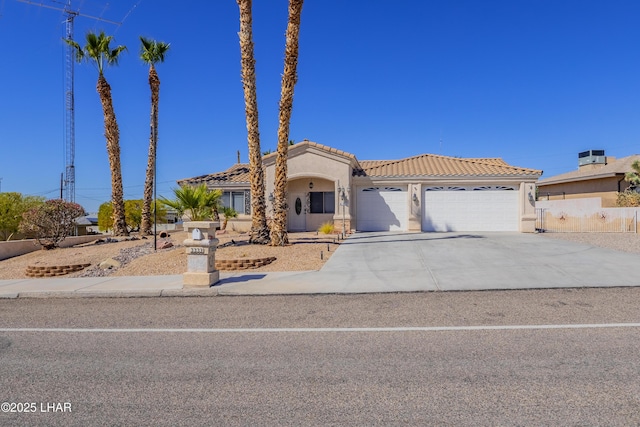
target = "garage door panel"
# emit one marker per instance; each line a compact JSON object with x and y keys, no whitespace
{"x":470,"y":210}
{"x":382,"y":210}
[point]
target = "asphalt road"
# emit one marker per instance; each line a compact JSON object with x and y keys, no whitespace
{"x":544,"y":357}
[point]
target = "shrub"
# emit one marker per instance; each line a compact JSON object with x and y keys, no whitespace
{"x":628,"y":199}
{"x":51,"y":222}
{"x":12,"y":206}
{"x":326,"y":228}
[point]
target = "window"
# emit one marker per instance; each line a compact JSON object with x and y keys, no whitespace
{"x":322,"y":202}
{"x":235,"y":200}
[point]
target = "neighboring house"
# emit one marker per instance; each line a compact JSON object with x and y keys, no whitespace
{"x":597,"y":176}
{"x":425,"y":192}
{"x":87,"y":224}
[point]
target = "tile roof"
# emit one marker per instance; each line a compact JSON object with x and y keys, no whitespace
{"x":422,"y":165}
{"x":616,"y":167}
{"x":434,"y":165}
{"x":236,"y":174}
{"x":307,"y":143}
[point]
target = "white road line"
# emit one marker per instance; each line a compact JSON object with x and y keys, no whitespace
{"x":297,"y":330}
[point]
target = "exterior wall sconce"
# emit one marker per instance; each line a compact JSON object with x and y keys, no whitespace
{"x":271,"y":198}
{"x":415,"y":198}
{"x":310,"y":185}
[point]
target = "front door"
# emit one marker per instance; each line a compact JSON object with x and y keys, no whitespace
{"x":297,"y":217}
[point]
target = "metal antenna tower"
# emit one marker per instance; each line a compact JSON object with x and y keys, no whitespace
{"x":69,"y":181}
{"x":69,"y":113}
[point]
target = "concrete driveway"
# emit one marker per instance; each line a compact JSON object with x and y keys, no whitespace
{"x":401,"y":262}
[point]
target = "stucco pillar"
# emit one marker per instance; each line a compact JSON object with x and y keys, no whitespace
{"x":415,"y":207}
{"x":201,"y":254}
{"x":527,"y":207}
{"x":342,"y":215}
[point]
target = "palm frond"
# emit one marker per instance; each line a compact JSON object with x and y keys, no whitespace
{"x":152,"y":51}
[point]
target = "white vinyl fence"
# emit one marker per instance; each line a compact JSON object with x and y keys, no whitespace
{"x":584,"y":216}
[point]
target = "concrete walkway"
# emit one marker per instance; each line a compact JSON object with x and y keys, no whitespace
{"x":387,"y":262}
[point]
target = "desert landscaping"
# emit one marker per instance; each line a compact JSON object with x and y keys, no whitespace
{"x":135,"y":256}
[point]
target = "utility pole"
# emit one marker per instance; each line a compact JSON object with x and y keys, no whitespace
{"x":69,"y":181}
{"x":0,"y":185}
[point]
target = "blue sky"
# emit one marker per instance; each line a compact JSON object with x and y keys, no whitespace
{"x":531,"y":81}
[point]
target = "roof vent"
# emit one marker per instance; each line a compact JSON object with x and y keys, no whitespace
{"x":592,"y":157}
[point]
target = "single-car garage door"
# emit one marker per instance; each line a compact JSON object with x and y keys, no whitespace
{"x":382,"y":209}
{"x":489,"y":208}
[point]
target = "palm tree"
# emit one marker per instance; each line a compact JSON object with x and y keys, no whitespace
{"x":151,"y":53}
{"x":198,"y":202}
{"x":259,"y":230}
{"x":97,"y":50}
{"x":279,"y":235}
{"x":228,"y":213}
{"x":633,"y":177}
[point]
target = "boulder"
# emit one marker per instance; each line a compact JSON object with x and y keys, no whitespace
{"x":109,"y":263}
{"x":165,"y":245}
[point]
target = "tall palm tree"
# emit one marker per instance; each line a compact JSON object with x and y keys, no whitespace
{"x":97,"y":50}
{"x":259,"y":230}
{"x":279,"y":235}
{"x":151,"y":53}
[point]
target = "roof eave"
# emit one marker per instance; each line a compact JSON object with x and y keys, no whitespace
{"x":551,"y":181}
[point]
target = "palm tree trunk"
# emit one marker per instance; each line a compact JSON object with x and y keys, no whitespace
{"x":279,"y":236}
{"x":112,"y":134}
{"x":154,"y":84}
{"x":259,"y":230}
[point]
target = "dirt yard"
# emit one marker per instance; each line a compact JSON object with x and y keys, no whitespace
{"x":306,"y":251}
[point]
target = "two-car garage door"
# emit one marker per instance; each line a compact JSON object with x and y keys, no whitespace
{"x":484,"y":208}
{"x":490,"y":208}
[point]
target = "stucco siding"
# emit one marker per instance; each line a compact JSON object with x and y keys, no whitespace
{"x":604,"y":188}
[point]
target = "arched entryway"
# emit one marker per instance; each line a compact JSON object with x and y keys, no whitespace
{"x":311,"y":203}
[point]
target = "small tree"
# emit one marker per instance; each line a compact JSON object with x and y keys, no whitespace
{"x":199,"y":203}
{"x":633,"y":177}
{"x":105,"y":217}
{"x":132,"y":212}
{"x":12,"y":206}
{"x":51,"y":222}
{"x":228,"y":212}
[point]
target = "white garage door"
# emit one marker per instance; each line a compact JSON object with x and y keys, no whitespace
{"x":382,"y":209}
{"x":493,"y":208}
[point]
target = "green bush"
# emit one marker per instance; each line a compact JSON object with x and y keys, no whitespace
{"x":12,"y":207}
{"x":132,"y":214}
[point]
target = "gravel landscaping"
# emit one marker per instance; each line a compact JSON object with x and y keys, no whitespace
{"x":624,"y":242}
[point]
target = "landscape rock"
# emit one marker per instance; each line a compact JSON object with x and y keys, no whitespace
{"x":165,"y":245}
{"x":109,"y":263}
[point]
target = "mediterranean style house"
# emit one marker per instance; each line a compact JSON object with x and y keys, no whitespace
{"x":421,"y":193}
{"x":598,"y":176}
